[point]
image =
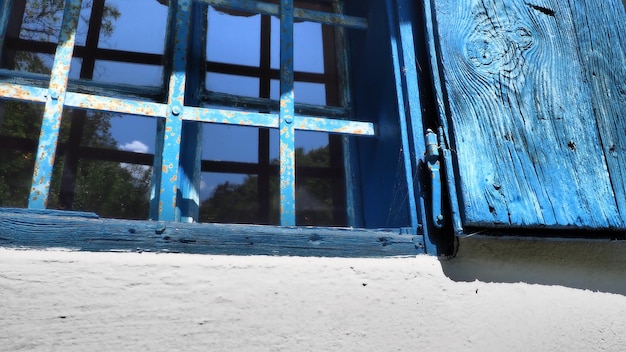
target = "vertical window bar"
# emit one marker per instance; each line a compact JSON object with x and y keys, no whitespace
{"x":5,"y":9}
{"x":287,"y":132}
{"x":168,"y":188}
{"x":51,"y":123}
{"x":191,"y":143}
{"x":160,"y":125}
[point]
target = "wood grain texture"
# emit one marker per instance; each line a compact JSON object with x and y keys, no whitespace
{"x":87,"y":232}
{"x":535,"y":92}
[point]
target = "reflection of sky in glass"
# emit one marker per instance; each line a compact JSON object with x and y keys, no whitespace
{"x":140,"y":28}
{"x":231,"y":84}
{"x":307,"y":49}
{"x":129,"y":129}
{"x":233,"y":39}
{"x":229,"y":143}
{"x":304,"y":92}
{"x":127,"y":73}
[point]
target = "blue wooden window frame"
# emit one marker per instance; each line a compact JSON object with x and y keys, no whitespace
{"x":176,"y":172}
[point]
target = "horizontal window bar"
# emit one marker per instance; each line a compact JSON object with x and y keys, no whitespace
{"x":309,"y":123}
{"x":126,"y":106}
{"x":23,"y":92}
{"x":143,"y":108}
{"x":298,"y":13}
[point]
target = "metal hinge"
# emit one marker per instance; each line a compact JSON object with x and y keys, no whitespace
{"x":434,"y":167}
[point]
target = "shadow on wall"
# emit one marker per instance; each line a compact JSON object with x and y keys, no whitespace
{"x":588,"y":265}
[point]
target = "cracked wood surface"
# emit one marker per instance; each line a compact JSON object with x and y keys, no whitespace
{"x":535,"y":96}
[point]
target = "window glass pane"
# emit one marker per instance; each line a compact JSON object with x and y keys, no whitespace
{"x":309,"y":140}
{"x":229,"y":198}
{"x":314,"y":203}
{"x":20,"y":125}
{"x":113,"y":189}
{"x":274,"y":145}
{"x":137,"y":25}
{"x":15,"y":175}
{"x":233,"y":39}
{"x":32,"y":62}
{"x":42,"y":63}
{"x":229,"y":143}
{"x":127,"y":73}
{"x":120,"y":131}
{"x":305,"y":92}
{"x":308,"y":51}
{"x":231,"y":84}
{"x":42,"y":20}
{"x":134,"y":133}
{"x":19,"y":119}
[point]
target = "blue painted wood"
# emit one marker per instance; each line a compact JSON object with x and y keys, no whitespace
{"x":39,"y":229}
{"x":440,"y":109}
{"x":380,"y":160}
{"x":601,"y":47}
{"x":455,"y":213}
{"x":51,"y":123}
{"x":254,"y":6}
{"x":405,"y":74}
{"x":532,"y":93}
{"x":287,"y":154}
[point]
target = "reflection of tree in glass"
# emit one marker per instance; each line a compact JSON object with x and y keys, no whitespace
{"x":107,"y":188}
{"x":42,"y":19}
{"x":237,"y":203}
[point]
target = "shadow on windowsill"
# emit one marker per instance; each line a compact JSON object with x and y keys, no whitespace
{"x":588,"y":265}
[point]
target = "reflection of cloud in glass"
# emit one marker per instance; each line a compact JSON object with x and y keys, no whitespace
{"x":135,"y":146}
{"x":138,"y":171}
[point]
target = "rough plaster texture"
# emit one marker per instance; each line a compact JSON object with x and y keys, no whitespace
{"x":494,"y":296}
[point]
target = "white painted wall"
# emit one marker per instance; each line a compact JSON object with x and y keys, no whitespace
{"x":494,"y":296}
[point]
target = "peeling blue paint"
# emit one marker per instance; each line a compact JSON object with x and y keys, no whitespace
{"x":287,"y":155}
{"x":51,"y":123}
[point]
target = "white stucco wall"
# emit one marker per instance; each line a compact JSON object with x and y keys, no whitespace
{"x":494,"y":296}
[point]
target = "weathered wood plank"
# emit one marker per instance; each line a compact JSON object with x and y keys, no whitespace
{"x":522,"y":112}
{"x":602,"y":42}
{"x":87,"y":232}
